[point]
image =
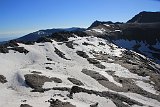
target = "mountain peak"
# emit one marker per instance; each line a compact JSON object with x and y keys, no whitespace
{"x":146,"y":17}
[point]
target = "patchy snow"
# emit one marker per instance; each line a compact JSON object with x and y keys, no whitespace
{"x":146,"y":86}
{"x":102,"y":30}
{"x":144,"y":100}
{"x":118,"y":30}
{"x":107,"y":25}
{"x":123,"y":72}
{"x":142,"y":46}
{"x":92,"y":99}
{"x":15,"y":65}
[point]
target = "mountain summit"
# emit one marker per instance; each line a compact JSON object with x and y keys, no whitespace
{"x":146,"y":17}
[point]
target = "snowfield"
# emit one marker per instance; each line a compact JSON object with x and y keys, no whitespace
{"x":43,"y":59}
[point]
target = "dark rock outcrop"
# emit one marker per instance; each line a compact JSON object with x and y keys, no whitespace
{"x":44,"y":39}
{"x":25,"y":105}
{"x":36,"y":81}
{"x":19,"y":49}
{"x":60,"y":54}
{"x":2,"y":79}
{"x":61,"y":36}
{"x":82,"y":54}
{"x":49,"y":68}
{"x":75,"y":81}
{"x":3,"y":49}
{"x":58,"y":103}
{"x":146,"y":17}
{"x":56,"y":80}
{"x":70,"y":44}
{"x":96,"y":63}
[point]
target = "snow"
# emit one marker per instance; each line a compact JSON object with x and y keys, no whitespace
{"x":144,"y":47}
{"x":15,"y":65}
{"x":144,"y":100}
{"x":102,"y":30}
{"x":107,"y":25}
{"x":118,"y":30}
{"x":40,"y":32}
{"x":146,"y":86}
{"x":123,"y":72}
{"x":92,"y":99}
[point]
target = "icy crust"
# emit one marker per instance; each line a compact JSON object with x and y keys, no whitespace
{"x":14,"y":66}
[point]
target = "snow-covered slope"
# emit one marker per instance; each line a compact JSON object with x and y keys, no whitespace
{"x":149,"y":50}
{"x":81,"y":72}
{"x":143,"y":38}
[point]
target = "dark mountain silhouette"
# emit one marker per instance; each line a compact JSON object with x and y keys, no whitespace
{"x":41,"y":33}
{"x":146,"y":17}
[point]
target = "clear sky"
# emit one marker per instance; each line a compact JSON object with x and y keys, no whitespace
{"x":18,"y":17}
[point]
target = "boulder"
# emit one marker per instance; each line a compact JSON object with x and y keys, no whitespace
{"x":82,"y":54}
{"x":75,"y":81}
{"x":2,"y":79}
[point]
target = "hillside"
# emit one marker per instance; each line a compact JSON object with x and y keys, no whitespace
{"x":146,"y":17}
{"x":76,"y":70}
{"x":142,"y":36}
{"x":32,"y":37}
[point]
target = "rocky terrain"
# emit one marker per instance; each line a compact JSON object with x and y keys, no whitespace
{"x":76,"y":70}
{"x":107,"y":65}
{"x":140,"y":34}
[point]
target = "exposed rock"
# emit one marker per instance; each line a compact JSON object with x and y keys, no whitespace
{"x":36,"y":72}
{"x":36,"y":81}
{"x":58,"y":103}
{"x":20,"y":49}
{"x":82,"y":54}
{"x":25,"y":105}
{"x":119,"y":103}
{"x":3,"y":79}
{"x":93,"y":61}
{"x":96,"y":63}
{"x":49,"y":68}
{"x":106,"y":94}
{"x":29,"y":43}
{"x":116,"y":98}
{"x":13,"y":43}
{"x":48,"y":63}
{"x":85,"y":43}
{"x":3,"y":49}
{"x":60,"y":54}
{"x":94,"y":74}
{"x":49,"y":59}
{"x":100,"y":66}
{"x":156,"y":79}
{"x":70,"y":44}
{"x":61,"y":36}
{"x":75,"y":81}
{"x":101,"y":43}
{"x":44,"y":39}
{"x":56,"y":80}
{"x":146,"y":17}
{"x":94,"y":105}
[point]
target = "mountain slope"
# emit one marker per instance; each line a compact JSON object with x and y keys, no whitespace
{"x":142,"y":36}
{"x":146,"y":17}
{"x":77,"y":71}
{"x":41,"y":33}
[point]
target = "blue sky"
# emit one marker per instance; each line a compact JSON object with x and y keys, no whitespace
{"x":18,"y":17}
